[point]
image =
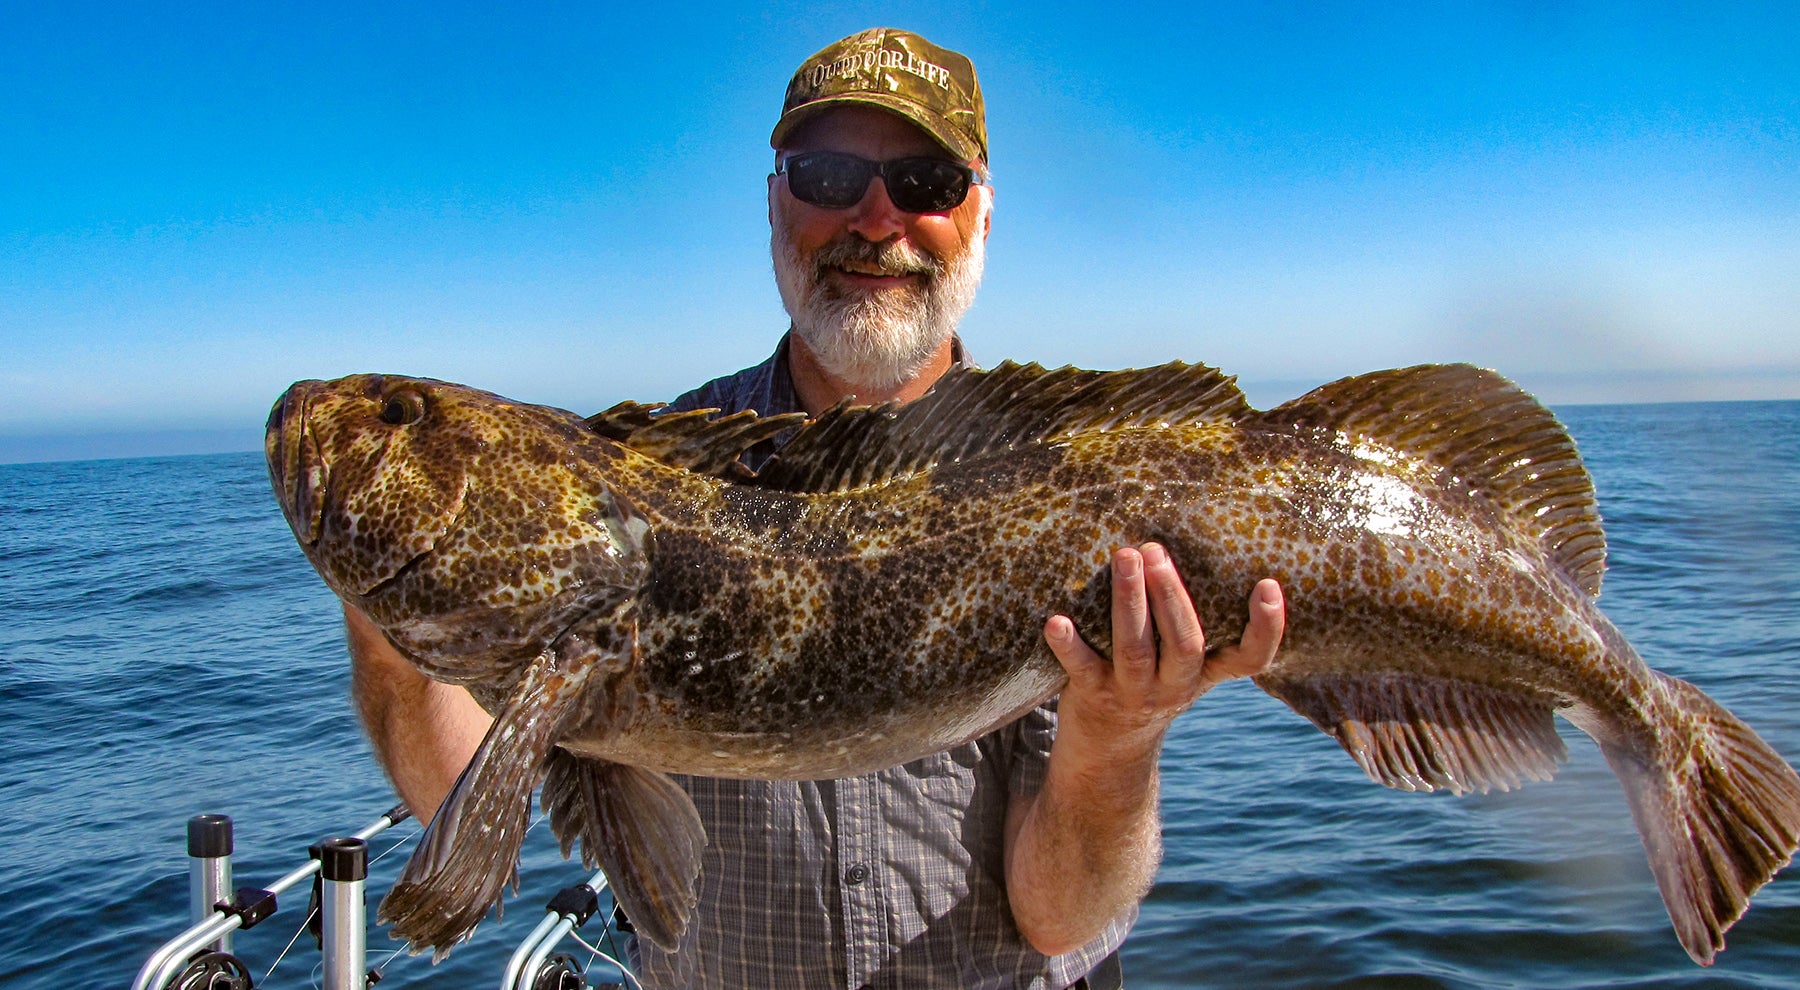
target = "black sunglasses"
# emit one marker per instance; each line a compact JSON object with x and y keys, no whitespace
{"x":837,"y":181}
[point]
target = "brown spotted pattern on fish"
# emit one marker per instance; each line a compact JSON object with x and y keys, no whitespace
{"x":629,"y":601}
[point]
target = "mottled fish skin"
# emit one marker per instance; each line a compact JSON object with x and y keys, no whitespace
{"x":822,"y":636}
{"x":1433,"y":530}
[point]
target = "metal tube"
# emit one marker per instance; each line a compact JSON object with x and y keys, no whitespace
{"x":541,"y":954}
{"x":209,"y":869}
{"x":520,"y":969}
{"x":529,"y":957}
{"x":167,"y":961}
{"x":344,"y":869}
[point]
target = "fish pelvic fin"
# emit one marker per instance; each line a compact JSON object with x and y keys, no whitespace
{"x":471,"y":848}
{"x":1484,"y":435}
{"x":1718,"y":811}
{"x":970,"y":412}
{"x":1429,"y":734}
{"x":641,"y":828}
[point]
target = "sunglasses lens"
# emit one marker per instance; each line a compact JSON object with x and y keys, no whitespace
{"x":927,"y":185}
{"x":916,"y":185}
{"x":832,"y":181}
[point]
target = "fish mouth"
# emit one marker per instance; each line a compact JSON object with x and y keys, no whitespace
{"x":296,"y":467}
{"x":363,"y":508}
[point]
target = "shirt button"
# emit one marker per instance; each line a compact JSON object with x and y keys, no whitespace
{"x":856,"y":874}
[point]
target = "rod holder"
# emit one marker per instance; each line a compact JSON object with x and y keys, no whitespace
{"x":209,"y":844}
{"x":343,"y":871}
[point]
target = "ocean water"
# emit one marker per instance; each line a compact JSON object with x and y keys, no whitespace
{"x":165,"y":651}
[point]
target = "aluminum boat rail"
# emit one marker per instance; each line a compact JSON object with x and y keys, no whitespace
{"x":200,"y":957}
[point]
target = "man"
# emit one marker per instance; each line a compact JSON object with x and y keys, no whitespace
{"x":1017,"y":859}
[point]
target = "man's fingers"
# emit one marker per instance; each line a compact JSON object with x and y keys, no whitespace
{"x":1134,"y":634}
{"x":1177,"y":624}
{"x":1262,"y":635}
{"x":1158,"y":641}
{"x":1077,"y":658}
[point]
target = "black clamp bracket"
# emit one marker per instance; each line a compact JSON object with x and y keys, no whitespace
{"x":578,"y":902}
{"x":250,"y":904}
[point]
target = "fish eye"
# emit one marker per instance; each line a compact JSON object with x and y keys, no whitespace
{"x":403,"y":408}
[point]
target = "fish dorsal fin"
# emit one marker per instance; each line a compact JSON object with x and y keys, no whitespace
{"x":1485,"y":434}
{"x":701,"y":440}
{"x":971,"y":412}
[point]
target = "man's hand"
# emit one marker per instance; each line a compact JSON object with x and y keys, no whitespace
{"x":1159,"y":665}
{"x":1083,"y":850}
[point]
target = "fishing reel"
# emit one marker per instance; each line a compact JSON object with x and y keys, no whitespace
{"x":212,"y":970}
{"x":562,"y":972}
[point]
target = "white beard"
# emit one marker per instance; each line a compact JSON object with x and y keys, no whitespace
{"x":880,"y":338}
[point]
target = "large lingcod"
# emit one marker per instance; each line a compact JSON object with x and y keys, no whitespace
{"x":628,"y":600}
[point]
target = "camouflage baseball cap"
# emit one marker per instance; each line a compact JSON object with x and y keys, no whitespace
{"x":933,"y":87}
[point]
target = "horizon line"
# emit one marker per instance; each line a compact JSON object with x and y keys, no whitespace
{"x":114,"y":444}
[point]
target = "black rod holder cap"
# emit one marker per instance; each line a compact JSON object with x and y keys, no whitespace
{"x":209,"y":836}
{"x":344,"y":859}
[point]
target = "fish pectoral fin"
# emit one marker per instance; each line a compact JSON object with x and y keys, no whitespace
{"x":1717,"y":809}
{"x":471,"y":848}
{"x":1426,"y":734}
{"x":641,"y":828}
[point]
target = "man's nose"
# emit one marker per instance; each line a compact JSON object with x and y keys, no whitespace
{"x":875,"y":217}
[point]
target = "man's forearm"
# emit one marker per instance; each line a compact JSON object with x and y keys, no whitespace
{"x":1084,"y":850}
{"x":423,"y":731}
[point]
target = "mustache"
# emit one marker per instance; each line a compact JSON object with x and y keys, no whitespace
{"x":891,"y":257}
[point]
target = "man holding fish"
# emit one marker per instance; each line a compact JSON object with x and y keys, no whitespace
{"x":1017,"y":859}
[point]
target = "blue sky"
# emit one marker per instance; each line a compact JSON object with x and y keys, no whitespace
{"x":200,"y":203}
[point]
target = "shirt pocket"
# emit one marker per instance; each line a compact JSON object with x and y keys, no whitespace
{"x":948,"y":784}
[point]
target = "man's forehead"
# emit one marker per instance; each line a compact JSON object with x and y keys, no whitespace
{"x":867,"y":130}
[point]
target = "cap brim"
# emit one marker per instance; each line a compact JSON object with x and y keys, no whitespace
{"x":932,"y":123}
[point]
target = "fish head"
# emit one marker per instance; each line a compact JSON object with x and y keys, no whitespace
{"x":471,"y":528}
{"x":371,"y":471}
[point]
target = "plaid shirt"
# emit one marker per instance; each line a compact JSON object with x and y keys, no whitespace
{"x":893,"y":879}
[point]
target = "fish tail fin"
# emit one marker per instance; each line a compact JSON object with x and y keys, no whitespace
{"x":1718,"y":811}
{"x":641,"y":828}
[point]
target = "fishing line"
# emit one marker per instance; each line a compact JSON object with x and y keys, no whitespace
{"x":304,"y":922}
{"x":402,"y":841}
{"x":591,"y":947}
{"x":290,"y":944}
{"x":379,"y":970}
{"x":612,"y":940}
